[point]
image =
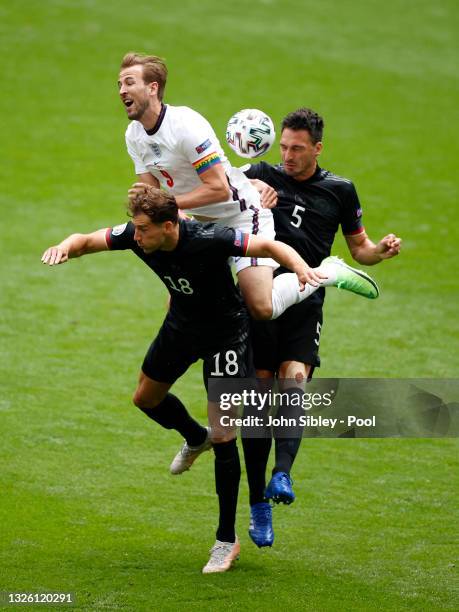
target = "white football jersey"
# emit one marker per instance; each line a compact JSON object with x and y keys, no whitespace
{"x":182,"y":146}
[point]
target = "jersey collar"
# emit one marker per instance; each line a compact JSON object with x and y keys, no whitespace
{"x":316,"y":174}
{"x":158,"y":121}
{"x":182,"y":230}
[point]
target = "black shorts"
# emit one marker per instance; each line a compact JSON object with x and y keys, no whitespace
{"x":294,"y":336}
{"x":172,"y":352}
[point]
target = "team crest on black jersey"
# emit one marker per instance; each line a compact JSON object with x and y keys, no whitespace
{"x":156,"y":149}
{"x":119,"y":229}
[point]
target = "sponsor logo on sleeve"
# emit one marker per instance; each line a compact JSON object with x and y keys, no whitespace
{"x":238,"y":237}
{"x":358,"y":213}
{"x":203,"y":146}
{"x":119,"y":229}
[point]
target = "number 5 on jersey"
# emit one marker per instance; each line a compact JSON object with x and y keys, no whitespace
{"x":296,"y":215}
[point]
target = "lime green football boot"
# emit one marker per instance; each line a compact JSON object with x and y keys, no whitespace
{"x":351,"y":279}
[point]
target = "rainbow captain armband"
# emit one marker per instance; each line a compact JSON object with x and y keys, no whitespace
{"x":206,"y":162}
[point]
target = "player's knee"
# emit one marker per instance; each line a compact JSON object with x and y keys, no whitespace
{"x":294,"y":371}
{"x":143,"y":402}
{"x":260,"y":310}
{"x":298,"y":376}
{"x":138,"y":400}
{"x":219,"y":436}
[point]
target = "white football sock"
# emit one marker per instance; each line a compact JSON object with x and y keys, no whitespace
{"x":286,"y":292}
{"x":329,"y":269}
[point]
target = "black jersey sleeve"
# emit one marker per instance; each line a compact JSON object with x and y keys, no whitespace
{"x":120,"y":237}
{"x":256,"y":171}
{"x":230,"y":241}
{"x":351,"y":211}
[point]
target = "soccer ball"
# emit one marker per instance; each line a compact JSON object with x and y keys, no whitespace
{"x":250,"y":133}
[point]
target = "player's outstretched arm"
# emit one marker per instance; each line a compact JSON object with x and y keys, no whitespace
{"x":285,"y":256}
{"x":75,"y":245}
{"x":368,"y":253}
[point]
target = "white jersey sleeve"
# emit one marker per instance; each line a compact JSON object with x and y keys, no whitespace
{"x":199,"y":143}
{"x":135,"y":154}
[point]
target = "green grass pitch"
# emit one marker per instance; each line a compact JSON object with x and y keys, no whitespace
{"x":87,"y":504}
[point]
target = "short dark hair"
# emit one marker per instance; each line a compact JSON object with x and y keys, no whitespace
{"x":154,"y":69}
{"x":158,"y":205}
{"x":305,"y":119}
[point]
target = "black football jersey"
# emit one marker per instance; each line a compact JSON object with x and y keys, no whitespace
{"x":196,"y":273}
{"x":308,"y":213}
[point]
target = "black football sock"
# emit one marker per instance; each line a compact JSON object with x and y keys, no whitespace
{"x":256,"y":454}
{"x":172,"y":414}
{"x":286,"y":449}
{"x":288,"y":437}
{"x":227,"y":477}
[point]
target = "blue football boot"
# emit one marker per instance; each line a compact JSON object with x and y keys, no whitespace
{"x":280,"y":489}
{"x":261,"y":524}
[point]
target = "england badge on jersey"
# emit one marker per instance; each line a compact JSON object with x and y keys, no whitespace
{"x":155,"y":148}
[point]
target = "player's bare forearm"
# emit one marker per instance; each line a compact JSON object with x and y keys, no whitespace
{"x":366,"y":252}
{"x":214,"y":189}
{"x":202,"y":196}
{"x":286,"y":257}
{"x":75,"y":245}
{"x":72,"y":246}
{"x":148,"y":179}
{"x":367,"y":257}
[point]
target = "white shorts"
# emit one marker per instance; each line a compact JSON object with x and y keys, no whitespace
{"x":257,"y":221}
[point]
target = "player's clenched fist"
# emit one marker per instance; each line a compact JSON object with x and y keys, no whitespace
{"x":389,"y":246}
{"x":268,"y":195}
